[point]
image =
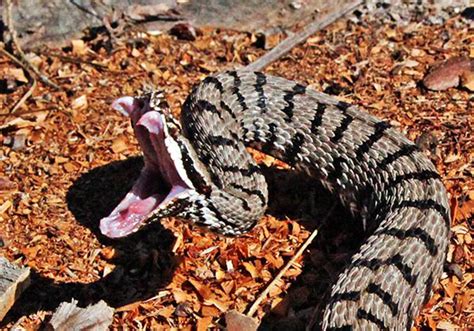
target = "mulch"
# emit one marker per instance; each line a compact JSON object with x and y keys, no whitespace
{"x":68,"y":158}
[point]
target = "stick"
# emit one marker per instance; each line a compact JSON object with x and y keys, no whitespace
{"x":21,"y":54}
{"x":31,"y":80}
{"x":286,"y":45}
{"x":300,"y":251}
{"x":77,"y":60}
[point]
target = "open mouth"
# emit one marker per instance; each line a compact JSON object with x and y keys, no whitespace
{"x":160,"y":183}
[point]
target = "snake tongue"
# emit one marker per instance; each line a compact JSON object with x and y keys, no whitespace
{"x":129,"y":215}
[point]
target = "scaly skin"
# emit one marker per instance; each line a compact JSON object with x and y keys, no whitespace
{"x":376,"y":171}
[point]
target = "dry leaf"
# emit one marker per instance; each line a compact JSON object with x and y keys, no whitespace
{"x":251,"y":269}
{"x":15,"y":73}
{"x":467,"y":80}
{"x":203,"y":323}
{"x":239,"y":322}
{"x":78,"y":47}
{"x":6,"y":185}
{"x":448,"y":74}
{"x":203,"y":290}
{"x":119,"y":145}
{"x":79,"y":103}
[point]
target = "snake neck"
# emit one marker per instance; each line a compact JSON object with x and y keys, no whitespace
{"x":376,"y":172}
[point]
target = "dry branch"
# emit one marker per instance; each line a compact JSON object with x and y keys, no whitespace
{"x":21,"y":54}
{"x":286,"y":45}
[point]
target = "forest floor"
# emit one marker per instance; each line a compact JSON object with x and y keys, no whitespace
{"x":68,"y":158}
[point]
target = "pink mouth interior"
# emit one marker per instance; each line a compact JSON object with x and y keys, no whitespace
{"x":159,"y":182}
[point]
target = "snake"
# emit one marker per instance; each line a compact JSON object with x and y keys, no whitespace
{"x":199,"y":169}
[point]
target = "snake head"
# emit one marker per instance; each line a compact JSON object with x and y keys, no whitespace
{"x":163,"y":187}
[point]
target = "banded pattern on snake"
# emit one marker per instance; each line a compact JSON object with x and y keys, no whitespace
{"x":200,"y":170}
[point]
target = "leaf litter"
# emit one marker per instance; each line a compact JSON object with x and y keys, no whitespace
{"x":79,"y":157}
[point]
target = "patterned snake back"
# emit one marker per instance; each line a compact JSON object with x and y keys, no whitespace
{"x":377,"y":173}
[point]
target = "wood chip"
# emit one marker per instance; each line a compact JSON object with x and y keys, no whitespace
{"x":68,"y":316}
{"x":13,"y":281}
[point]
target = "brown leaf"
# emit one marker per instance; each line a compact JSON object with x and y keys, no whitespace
{"x":119,"y":145}
{"x":209,"y":311}
{"x":15,"y":73}
{"x":251,"y":269}
{"x":204,"y":291}
{"x":467,"y":80}
{"x":6,"y":185}
{"x":239,"y":322}
{"x":203,"y":323}
{"x":166,"y":312}
{"x":448,"y":73}
{"x":78,"y":47}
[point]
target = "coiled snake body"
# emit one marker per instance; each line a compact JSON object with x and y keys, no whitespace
{"x":210,"y":179}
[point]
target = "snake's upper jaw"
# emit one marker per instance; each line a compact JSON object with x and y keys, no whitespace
{"x":162,"y":184}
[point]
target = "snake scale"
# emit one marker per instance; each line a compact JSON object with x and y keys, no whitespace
{"x":200,"y":170}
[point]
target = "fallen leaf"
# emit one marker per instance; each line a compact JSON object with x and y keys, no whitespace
{"x":251,"y":269}
{"x":203,"y":323}
{"x":204,"y":291}
{"x":6,"y":185}
{"x":210,"y":311}
{"x":467,"y":80}
{"x":79,"y":103}
{"x":448,"y":74}
{"x":119,"y":145}
{"x":445,"y":325}
{"x":15,"y":73}
{"x":239,"y":322}
{"x":166,"y":312}
{"x":78,"y":47}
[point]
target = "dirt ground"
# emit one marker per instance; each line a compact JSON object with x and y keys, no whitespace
{"x":67,"y":158}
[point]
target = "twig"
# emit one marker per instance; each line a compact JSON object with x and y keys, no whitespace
{"x":24,"y":97}
{"x":76,"y":60}
{"x":31,"y":79}
{"x":300,"y":251}
{"x":21,"y":54}
{"x":286,"y":45}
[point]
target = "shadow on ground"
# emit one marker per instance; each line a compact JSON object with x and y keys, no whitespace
{"x":147,"y":263}
{"x":297,"y":196}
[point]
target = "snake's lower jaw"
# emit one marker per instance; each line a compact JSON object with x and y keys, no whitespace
{"x":160,"y":186}
{"x":134,"y":211}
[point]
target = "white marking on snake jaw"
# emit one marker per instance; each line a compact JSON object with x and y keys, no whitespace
{"x":163,"y":180}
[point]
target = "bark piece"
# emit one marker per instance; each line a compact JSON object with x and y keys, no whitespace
{"x":13,"y":281}
{"x":68,"y":316}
